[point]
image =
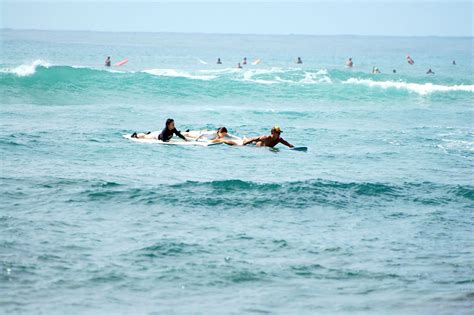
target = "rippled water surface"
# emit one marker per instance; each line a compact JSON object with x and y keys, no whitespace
{"x":376,"y":218}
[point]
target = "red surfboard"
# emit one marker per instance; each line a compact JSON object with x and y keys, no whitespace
{"x":121,"y":63}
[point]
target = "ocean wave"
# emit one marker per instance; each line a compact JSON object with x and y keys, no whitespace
{"x":250,"y":75}
{"x":422,"y":89}
{"x":237,"y":193}
{"x":48,"y":75}
{"x":26,"y":69}
{"x":178,"y":74}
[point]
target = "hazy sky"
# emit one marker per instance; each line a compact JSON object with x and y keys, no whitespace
{"x":406,"y":18}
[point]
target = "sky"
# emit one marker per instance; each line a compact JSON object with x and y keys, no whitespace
{"x":337,"y":17}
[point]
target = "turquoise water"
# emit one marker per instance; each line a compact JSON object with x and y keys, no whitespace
{"x":376,"y":218}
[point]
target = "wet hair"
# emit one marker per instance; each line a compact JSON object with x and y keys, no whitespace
{"x":222,"y":129}
{"x":169,"y":121}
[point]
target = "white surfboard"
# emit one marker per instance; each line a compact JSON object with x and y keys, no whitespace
{"x":171,"y":142}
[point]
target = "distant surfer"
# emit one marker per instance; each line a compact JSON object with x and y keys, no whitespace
{"x":219,"y":62}
{"x":239,"y":66}
{"x":108,"y":62}
{"x":409,"y":60}
{"x":375,"y":70}
{"x":454,"y":62}
{"x":244,"y":62}
{"x":165,"y":135}
{"x":349,"y":63}
{"x":429,"y":71}
{"x":269,"y":141}
{"x":394,"y":71}
{"x":299,"y":61}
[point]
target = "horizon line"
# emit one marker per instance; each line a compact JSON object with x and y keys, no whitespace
{"x":227,"y":33}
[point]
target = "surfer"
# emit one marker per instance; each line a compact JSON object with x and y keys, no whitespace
{"x":108,"y":63}
{"x":394,"y":71}
{"x":244,"y":62}
{"x":299,"y":61}
{"x":349,"y":63}
{"x":165,"y":135}
{"x":430,"y":71}
{"x":409,"y":60}
{"x":454,"y":62}
{"x":219,"y":62}
{"x":217,"y":136}
{"x":269,"y":141}
{"x":375,"y":70}
{"x":239,"y":66}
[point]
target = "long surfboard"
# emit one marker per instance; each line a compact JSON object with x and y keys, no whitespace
{"x":172,"y":142}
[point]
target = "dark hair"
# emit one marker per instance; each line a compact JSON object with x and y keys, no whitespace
{"x":169,"y":121}
{"x":222,"y":129}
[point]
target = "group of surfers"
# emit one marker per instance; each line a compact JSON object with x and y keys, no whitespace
{"x":376,"y":70}
{"x":219,"y":136}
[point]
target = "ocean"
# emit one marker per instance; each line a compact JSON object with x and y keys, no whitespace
{"x":375,"y":218}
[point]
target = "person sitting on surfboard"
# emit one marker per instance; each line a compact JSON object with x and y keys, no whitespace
{"x":216,"y":136}
{"x":244,"y":62}
{"x":430,"y":71}
{"x":165,"y":135}
{"x":219,"y":62}
{"x":299,"y":61}
{"x":239,"y":66}
{"x":269,"y":141}
{"x":108,"y":63}
{"x":349,"y":63}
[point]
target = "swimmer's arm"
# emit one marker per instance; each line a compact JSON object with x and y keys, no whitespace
{"x":283,"y":141}
{"x":250,"y":140}
{"x":176,"y":132}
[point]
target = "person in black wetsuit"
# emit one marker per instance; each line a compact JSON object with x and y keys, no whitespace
{"x":108,"y":63}
{"x":165,"y":135}
{"x":170,"y":130}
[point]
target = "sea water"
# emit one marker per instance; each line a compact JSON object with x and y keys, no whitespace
{"x":376,"y":218}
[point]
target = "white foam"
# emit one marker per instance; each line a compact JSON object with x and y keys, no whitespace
{"x":178,"y":74}
{"x":250,"y":73}
{"x":100,"y":69}
{"x":26,"y":69}
{"x":248,"y":77}
{"x":459,"y":144}
{"x":314,"y":78}
{"x":422,"y":89}
{"x":221,"y":71}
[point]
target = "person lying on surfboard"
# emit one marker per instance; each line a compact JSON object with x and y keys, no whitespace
{"x":217,"y":136}
{"x":269,"y":141}
{"x":165,"y":135}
